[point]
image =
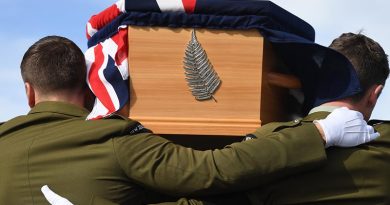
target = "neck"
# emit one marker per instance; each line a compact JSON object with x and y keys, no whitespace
{"x":352,"y":106}
{"x":76,"y":98}
{"x":349,"y":105}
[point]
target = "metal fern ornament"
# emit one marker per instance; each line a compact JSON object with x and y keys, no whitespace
{"x":200,"y":74}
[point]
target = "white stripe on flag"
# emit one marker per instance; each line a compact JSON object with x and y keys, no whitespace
{"x":108,"y":86}
{"x":123,"y":69}
{"x":89,"y":60}
{"x":112,"y":48}
{"x":121,"y":5}
{"x":98,"y":110}
{"x":108,"y":46}
{"x":170,"y":5}
{"x":90,"y":30}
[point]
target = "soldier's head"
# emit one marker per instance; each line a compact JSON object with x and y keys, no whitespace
{"x":54,"y":69}
{"x":371,"y":65}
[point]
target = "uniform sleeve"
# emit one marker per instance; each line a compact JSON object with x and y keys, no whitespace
{"x":161,"y":165}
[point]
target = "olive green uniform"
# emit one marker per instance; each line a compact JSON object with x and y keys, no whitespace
{"x":358,"y":176}
{"x":116,"y":158}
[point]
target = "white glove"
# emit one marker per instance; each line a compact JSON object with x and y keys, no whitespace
{"x":346,"y":128}
{"x":53,"y":198}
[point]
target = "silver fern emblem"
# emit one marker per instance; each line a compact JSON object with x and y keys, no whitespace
{"x":200,"y":75}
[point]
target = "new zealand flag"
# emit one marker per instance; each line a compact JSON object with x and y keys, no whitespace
{"x":325,"y":74}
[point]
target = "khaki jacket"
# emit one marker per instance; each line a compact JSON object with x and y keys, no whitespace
{"x":116,"y":159}
{"x":358,"y":176}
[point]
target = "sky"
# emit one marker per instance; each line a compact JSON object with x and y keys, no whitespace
{"x":24,"y":22}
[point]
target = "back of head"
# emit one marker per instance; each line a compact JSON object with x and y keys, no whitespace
{"x":368,"y":58}
{"x":54,"y":64}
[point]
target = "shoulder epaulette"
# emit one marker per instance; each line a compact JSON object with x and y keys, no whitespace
{"x":134,"y":127}
{"x":282,"y":125}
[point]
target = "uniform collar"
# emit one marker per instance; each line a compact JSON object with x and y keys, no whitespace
{"x":323,"y":108}
{"x":59,"y":107}
{"x":316,"y":116}
{"x":319,"y":112}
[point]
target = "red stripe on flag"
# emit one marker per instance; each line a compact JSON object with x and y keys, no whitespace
{"x":121,"y":40}
{"x":189,"y":5}
{"x":105,"y":17}
{"x":97,"y":85}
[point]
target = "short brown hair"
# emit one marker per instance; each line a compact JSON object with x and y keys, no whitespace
{"x":367,"y":56}
{"x":53,"y":64}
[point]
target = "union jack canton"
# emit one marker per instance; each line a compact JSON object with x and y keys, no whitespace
{"x":107,"y":61}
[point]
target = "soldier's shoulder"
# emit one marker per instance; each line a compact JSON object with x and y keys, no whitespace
{"x":12,"y":122}
{"x":273,"y":127}
{"x":114,"y":119}
{"x":129,"y":126}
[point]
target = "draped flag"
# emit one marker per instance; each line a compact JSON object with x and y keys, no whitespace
{"x":325,"y":74}
{"x":107,"y":61}
{"x":107,"y":70}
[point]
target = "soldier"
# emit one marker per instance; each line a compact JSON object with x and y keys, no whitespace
{"x":117,"y":158}
{"x":346,"y":178}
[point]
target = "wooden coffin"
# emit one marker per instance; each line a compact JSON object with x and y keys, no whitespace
{"x":250,"y":93}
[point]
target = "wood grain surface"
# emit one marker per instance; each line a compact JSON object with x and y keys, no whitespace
{"x":160,"y":96}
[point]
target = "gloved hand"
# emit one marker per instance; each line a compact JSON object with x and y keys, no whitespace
{"x":346,"y":128}
{"x":53,"y":198}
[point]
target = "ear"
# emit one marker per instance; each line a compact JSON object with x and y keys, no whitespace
{"x":30,"y":92}
{"x":375,"y":91}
